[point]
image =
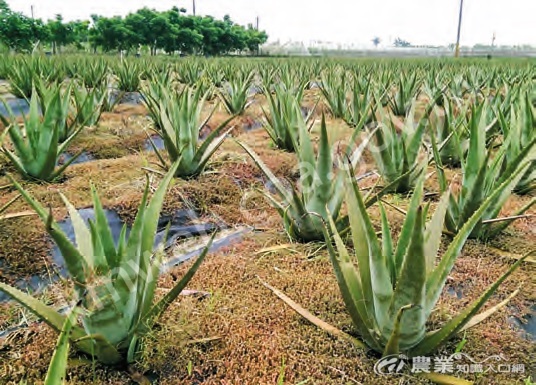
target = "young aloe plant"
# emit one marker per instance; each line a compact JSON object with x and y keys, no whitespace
{"x":36,"y":149}
{"x":177,"y":118}
{"x":390,"y":291}
{"x":114,"y":285}
{"x":89,"y":105}
{"x":284,"y":118}
{"x":518,"y":131}
{"x":188,"y":72}
{"x":129,"y":76}
{"x":94,"y":73}
{"x":360,"y":107}
{"x":481,"y":176}
{"x":53,"y":97}
{"x":334,"y":89}
{"x":235,"y":92}
{"x":406,"y":92}
{"x":397,"y":154}
{"x":450,"y":133}
{"x":303,"y":211}
{"x":21,"y":76}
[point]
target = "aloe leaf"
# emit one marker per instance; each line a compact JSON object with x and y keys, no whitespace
{"x":434,"y":230}
{"x":50,"y":316}
{"x":82,"y":233}
{"x":58,"y":365}
{"x":75,"y":262}
{"x":432,"y":341}
{"x":387,"y":243}
{"x":393,"y":344}
{"x":350,"y":284}
{"x":410,"y":287}
{"x":154,"y":313}
{"x":324,"y":166}
{"x":104,"y":231}
{"x":409,"y":224}
{"x":376,"y":276}
{"x":266,"y":171}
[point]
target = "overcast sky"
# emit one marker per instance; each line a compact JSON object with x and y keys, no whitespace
{"x":344,"y":21}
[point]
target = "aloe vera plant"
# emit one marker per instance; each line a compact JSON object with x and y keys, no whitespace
{"x":360,"y":109}
{"x":94,"y":73}
{"x":334,"y":89}
{"x":36,"y":148}
{"x":397,"y":153}
{"x":129,"y":76}
{"x":178,"y":122}
{"x":304,"y":210}
{"x":518,"y":131}
{"x":53,"y":97}
{"x":406,"y":91}
{"x":88,"y":105}
{"x":450,"y":132}
{"x":21,"y":76}
{"x":114,"y":285}
{"x":284,"y":118}
{"x":235,"y":92}
{"x":481,"y":176}
{"x":189,"y":72}
{"x":391,"y":290}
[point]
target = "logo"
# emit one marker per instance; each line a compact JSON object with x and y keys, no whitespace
{"x":454,"y":364}
{"x":389,"y":365}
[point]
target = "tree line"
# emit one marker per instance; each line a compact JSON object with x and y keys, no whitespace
{"x":171,"y":31}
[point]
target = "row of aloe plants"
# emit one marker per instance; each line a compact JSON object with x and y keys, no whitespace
{"x":397,"y":310}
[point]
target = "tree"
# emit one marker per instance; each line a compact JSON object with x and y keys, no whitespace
{"x":19,"y":32}
{"x":60,"y":34}
{"x":376,"y":41}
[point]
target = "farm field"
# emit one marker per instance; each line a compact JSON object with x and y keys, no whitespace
{"x":392,"y":199}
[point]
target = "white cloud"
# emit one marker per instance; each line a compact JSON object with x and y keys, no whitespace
{"x":345,"y":21}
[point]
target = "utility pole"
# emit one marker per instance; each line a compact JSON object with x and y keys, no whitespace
{"x":457,"y":51}
{"x":257,"y":23}
{"x":193,"y":7}
{"x":31,"y":10}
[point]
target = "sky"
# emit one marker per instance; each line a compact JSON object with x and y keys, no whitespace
{"x":421,"y":22}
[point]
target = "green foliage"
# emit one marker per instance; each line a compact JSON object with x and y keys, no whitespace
{"x":235,"y":92}
{"x":518,"y":131}
{"x":129,"y":76}
{"x":397,"y":153}
{"x":334,"y":89}
{"x":19,"y":32}
{"x":406,"y":91}
{"x":114,"y":285}
{"x":321,"y":187}
{"x":93,"y":73}
{"x":21,"y":76}
{"x":88,"y":105}
{"x":36,"y":149}
{"x":177,"y":119}
{"x":390,"y":291}
{"x":450,"y":133}
{"x":284,"y":119}
{"x":482,"y":175}
{"x":360,"y":110}
{"x":58,"y":365}
{"x":56,"y":100}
